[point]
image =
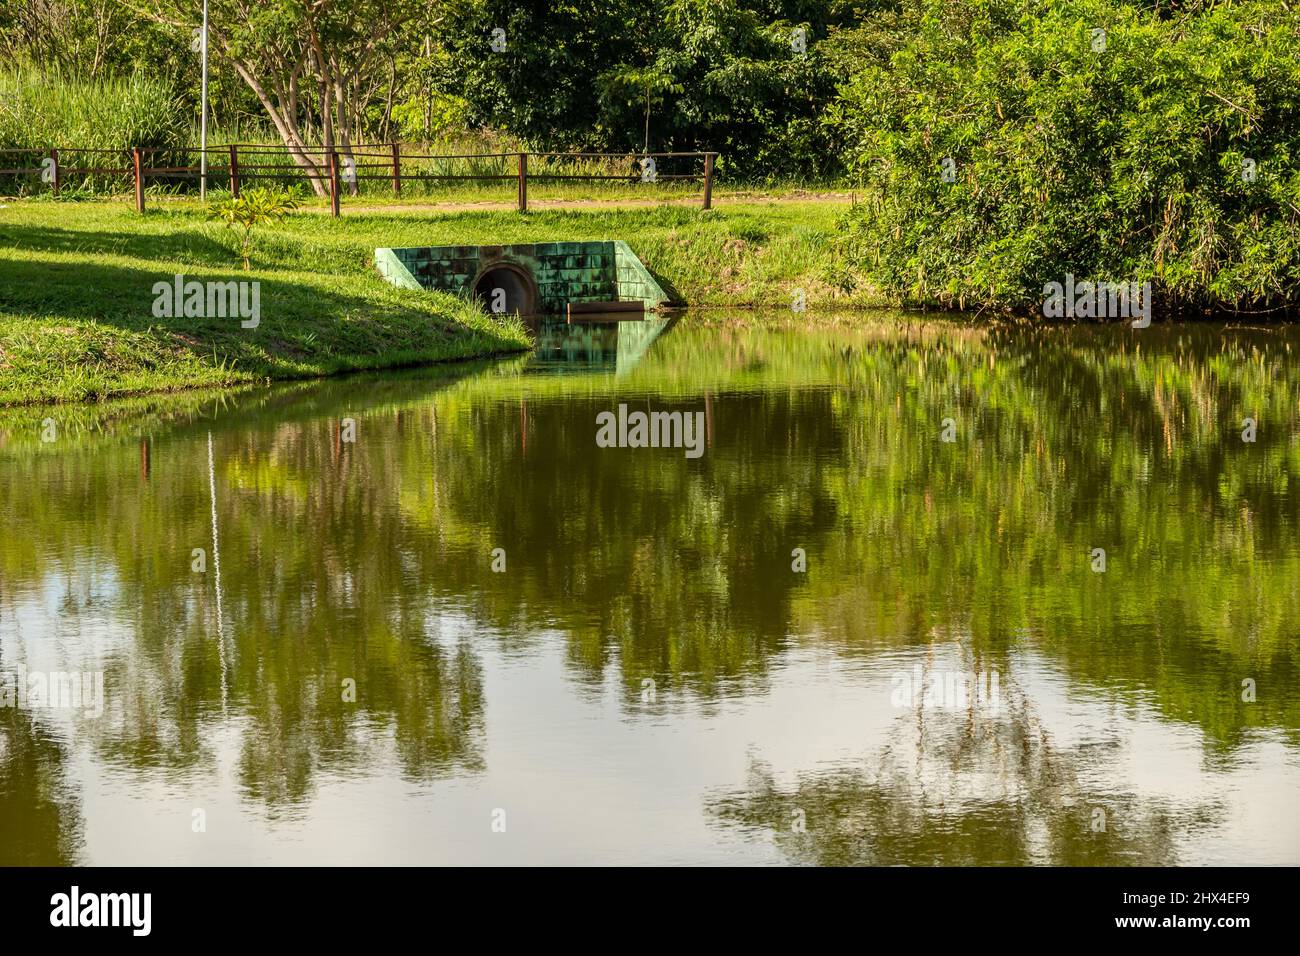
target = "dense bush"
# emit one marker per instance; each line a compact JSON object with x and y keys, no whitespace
{"x":1122,"y":163}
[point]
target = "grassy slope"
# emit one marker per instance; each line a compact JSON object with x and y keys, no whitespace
{"x":76,"y":284}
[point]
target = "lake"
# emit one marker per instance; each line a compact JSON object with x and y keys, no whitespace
{"x":924,"y":592}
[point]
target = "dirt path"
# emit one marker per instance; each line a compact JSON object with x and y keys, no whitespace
{"x":727,"y":199}
{"x":795,"y":197}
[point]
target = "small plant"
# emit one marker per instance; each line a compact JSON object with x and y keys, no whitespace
{"x":255,"y":207}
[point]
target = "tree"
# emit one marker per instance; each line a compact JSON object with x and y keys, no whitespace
{"x":309,"y":64}
{"x":78,"y":37}
{"x":629,"y":82}
{"x":722,"y":74}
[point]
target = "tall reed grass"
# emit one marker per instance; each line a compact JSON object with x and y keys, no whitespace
{"x":44,"y":109}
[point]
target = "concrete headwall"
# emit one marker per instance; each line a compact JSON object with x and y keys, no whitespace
{"x":564,"y":272}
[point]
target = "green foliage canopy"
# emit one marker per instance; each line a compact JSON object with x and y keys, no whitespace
{"x":1121,"y":163}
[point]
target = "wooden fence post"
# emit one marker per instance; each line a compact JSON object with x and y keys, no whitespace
{"x":397,"y":170}
{"x":234,"y":171}
{"x":523,"y":182}
{"x":54,"y":155}
{"x":334,"y":182}
{"x":139,"y":178}
{"x":708,"y":180}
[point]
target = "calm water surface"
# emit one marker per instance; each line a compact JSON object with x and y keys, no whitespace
{"x":649,"y":680}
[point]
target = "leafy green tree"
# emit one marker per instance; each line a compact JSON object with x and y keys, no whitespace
{"x":310,"y":66}
{"x":632,"y":84}
{"x":542,"y":86}
{"x":722,"y":74}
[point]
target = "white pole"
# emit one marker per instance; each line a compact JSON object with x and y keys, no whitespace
{"x":203,"y":113}
{"x":216,"y":566}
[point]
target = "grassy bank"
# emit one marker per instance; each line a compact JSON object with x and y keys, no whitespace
{"x":77,"y":288}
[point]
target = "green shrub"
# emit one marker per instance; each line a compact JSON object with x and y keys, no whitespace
{"x":255,"y":207}
{"x":1120,"y":164}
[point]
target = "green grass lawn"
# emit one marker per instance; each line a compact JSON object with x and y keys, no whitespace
{"x":77,"y":280}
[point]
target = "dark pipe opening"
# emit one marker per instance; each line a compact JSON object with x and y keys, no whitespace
{"x":504,"y":289}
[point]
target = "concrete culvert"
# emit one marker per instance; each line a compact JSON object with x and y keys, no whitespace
{"x":505,"y":289}
{"x":535,"y":278}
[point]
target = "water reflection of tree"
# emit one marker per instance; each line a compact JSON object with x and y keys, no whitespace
{"x":675,"y":567}
{"x":337,"y":557}
{"x":312,"y":597}
{"x":39,"y":809}
{"x":965,"y":787}
{"x":1069,"y":440}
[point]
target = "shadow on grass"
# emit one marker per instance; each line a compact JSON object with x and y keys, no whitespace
{"x":185,"y":245}
{"x":675,"y":297}
{"x":303,"y":328}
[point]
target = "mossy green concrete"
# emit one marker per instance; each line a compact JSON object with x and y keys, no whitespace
{"x":564,"y":272}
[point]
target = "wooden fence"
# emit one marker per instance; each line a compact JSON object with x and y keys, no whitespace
{"x":340,"y":172}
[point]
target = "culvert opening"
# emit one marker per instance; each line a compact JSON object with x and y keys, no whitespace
{"x":504,"y":289}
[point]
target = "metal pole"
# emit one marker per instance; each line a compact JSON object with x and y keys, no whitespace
{"x":203,"y":113}
{"x":216,"y":566}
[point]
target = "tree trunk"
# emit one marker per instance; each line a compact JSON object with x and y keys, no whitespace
{"x":388,"y":102}
{"x":288,"y":130}
{"x":647,"y":119}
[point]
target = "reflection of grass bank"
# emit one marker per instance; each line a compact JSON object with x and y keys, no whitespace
{"x":134,"y":418}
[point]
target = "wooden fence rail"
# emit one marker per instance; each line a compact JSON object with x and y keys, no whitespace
{"x":363,"y":162}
